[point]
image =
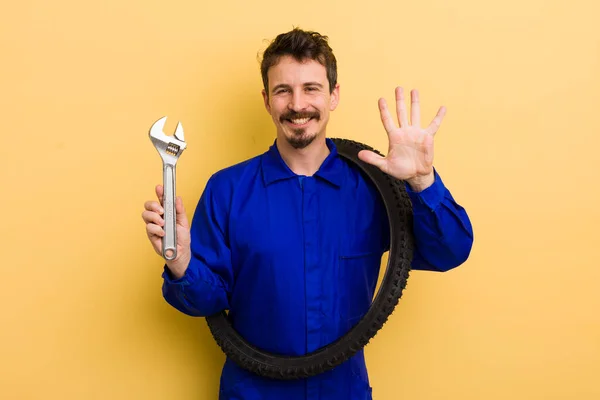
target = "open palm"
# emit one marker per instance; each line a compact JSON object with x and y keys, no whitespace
{"x":410,"y":153}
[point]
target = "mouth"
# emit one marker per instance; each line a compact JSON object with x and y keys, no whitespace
{"x":299,"y":121}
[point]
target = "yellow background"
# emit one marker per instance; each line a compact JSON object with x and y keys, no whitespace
{"x":82,"y":315}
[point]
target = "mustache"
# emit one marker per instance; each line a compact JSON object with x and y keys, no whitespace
{"x":300,"y":115}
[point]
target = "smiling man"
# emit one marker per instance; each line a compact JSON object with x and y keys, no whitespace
{"x":290,"y":241}
{"x":299,"y":100}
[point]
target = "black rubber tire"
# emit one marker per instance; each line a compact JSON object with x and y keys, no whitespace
{"x":399,"y":210}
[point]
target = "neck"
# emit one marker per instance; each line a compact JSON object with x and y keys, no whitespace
{"x":304,"y":161}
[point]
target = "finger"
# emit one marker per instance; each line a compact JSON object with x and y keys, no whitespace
{"x":156,"y":242}
{"x":154,"y":230}
{"x":181,"y":216}
{"x":386,"y":118}
{"x":415,"y":109}
{"x":160,"y":193}
{"x":153,"y":217}
{"x":401,"y":107}
{"x":437,"y":121}
{"x":428,"y":149}
{"x":154,"y":206}
{"x":373,"y":158}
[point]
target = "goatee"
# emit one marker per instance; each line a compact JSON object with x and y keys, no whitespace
{"x":300,"y":140}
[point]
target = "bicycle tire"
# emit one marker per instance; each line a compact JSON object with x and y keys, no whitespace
{"x":399,"y":210}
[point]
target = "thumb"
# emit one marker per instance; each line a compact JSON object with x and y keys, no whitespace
{"x":428,"y":148}
{"x":180,"y":215}
{"x":372,"y":158}
{"x":159,"y":193}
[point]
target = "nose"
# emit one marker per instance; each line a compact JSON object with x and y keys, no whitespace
{"x":298,"y":101}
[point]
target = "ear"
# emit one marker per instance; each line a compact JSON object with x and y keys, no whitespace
{"x":266,"y":100}
{"x":335,"y":97}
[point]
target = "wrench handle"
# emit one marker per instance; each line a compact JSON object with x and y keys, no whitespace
{"x":169,"y":241}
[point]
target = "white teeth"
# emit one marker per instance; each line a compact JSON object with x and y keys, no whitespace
{"x":300,"y":121}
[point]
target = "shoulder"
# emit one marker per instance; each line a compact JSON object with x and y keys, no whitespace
{"x":224,"y":183}
{"x":354,"y":176}
{"x":358,"y":186}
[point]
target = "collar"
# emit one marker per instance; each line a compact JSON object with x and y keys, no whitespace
{"x":275,"y":169}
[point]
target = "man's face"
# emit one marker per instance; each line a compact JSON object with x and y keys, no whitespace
{"x":299,"y":100}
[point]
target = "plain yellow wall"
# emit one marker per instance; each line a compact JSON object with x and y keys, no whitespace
{"x":82,"y":316}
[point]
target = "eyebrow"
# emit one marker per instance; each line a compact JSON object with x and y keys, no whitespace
{"x":286,"y":86}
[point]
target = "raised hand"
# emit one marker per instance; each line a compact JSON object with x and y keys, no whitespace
{"x":410,"y":153}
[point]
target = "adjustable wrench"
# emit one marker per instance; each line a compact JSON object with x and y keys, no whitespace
{"x":169,"y":148}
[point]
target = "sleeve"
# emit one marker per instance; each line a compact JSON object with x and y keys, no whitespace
{"x":205,"y":287}
{"x":442,"y":229}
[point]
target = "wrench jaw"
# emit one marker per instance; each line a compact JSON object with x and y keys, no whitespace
{"x":169,"y":147}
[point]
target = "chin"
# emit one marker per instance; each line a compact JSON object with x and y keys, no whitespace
{"x":301,"y":140}
{"x":300,"y":143}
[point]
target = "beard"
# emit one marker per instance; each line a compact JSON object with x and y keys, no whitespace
{"x":300,"y":138}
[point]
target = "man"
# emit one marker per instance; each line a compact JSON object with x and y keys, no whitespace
{"x":290,"y":242}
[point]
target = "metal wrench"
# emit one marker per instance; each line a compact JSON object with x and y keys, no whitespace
{"x":169,"y":148}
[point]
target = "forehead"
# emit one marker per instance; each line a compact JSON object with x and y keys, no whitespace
{"x":289,"y":71}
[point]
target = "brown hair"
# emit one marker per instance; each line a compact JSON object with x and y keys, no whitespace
{"x":301,"y":45}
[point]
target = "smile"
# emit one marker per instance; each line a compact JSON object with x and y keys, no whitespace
{"x":298,"y":121}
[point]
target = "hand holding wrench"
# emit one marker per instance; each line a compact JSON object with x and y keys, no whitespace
{"x":169,"y":148}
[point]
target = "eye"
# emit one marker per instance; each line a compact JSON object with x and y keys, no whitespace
{"x":312,"y":88}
